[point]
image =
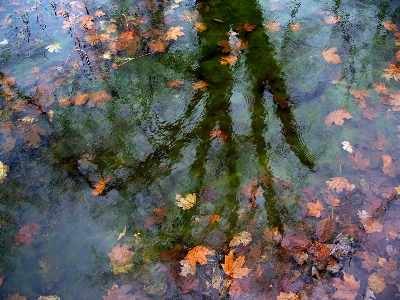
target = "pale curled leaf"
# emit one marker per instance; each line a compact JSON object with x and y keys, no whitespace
{"x":54,"y":47}
{"x":243,"y":237}
{"x":186,"y":202}
{"x":347,"y":146}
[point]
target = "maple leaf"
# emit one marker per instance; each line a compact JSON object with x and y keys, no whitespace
{"x":315,"y":209}
{"x":325,"y":229}
{"x":198,"y":254}
{"x":99,"y":13}
{"x":319,"y":251}
{"x":381,"y":88}
{"x":243,"y":237}
{"x":120,"y":255}
{"x":174,"y":32}
{"x":273,"y":26}
{"x":295,"y":27}
{"x":54,"y":48}
{"x":228,"y":60}
{"x":218,"y":133}
{"x":100,"y":186}
{"x":287,"y":296}
{"x":337,"y":117}
{"x":347,"y":288}
{"x":200,"y":26}
{"x":340,"y":184}
{"x":214,"y":218}
{"x":79,"y":98}
{"x":187,"y":268}
{"x":370,"y":261}
{"x":370,"y":113}
{"x":330,"y":55}
{"x":26,"y":233}
{"x":115,"y":293}
{"x":99,"y":98}
{"x":389,"y":168}
{"x":233,"y":267}
{"x":174,"y":83}
{"x":30,"y":132}
{"x":331,"y":20}
{"x":3,"y":171}
{"x":358,"y":162}
{"x":86,"y":22}
{"x":392,"y":72}
{"x":186,"y":203}
{"x":389,"y":270}
{"x":16,"y":297}
{"x":246,"y":27}
{"x":158,"y":46}
{"x":201,"y":85}
{"x":371,"y":225}
{"x":389,"y":25}
{"x":376,"y":283}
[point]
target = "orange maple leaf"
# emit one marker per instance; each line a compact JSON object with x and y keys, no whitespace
{"x":389,"y":25}
{"x":228,"y":60}
{"x":79,"y":98}
{"x":357,"y":161}
{"x":233,"y":268}
{"x":121,"y":254}
{"x":201,"y":85}
{"x":200,"y":26}
{"x":100,"y":186}
{"x":330,"y":55}
{"x":287,"y":296}
{"x":340,"y":184}
{"x":315,"y":208}
{"x":174,"y":32}
{"x":347,"y":288}
{"x":218,"y":133}
{"x":331,"y":20}
{"x":246,"y":27}
{"x":198,"y":254}
{"x":337,"y":117}
{"x":99,"y":98}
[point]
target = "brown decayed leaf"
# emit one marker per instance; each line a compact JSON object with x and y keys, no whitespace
{"x":325,"y":229}
{"x":246,"y":27}
{"x":100,"y":186}
{"x":389,"y":168}
{"x":287,"y":296}
{"x":381,"y":88}
{"x":331,"y":20}
{"x":16,"y":297}
{"x":340,"y":184}
{"x":388,"y":270}
{"x":26,"y":233}
{"x":371,"y":225}
{"x":315,"y":209}
{"x":243,"y":237}
{"x":332,"y":201}
{"x":233,"y":267}
{"x":337,"y":117}
{"x":294,"y":243}
{"x":30,"y":132}
{"x":224,"y":44}
{"x":370,"y":260}
{"x":370,"y":113}
{"x":347,"y":288}
{"x":319,"y":251}
{"x":273,"y":235}
{"x":120,"y":255}
{"x":99,"y":98}
{"x":115,"y":293}
{"x":330,"y":55}
{"x":174,"y":32}
{"x":273,"y":26}
{"x":175,"y":83}
{"x":357,"y":161}
{"x":201,"y":85}
{"x":198,"y":254}
{"x":376,"y":283}
{"x":158,"y":46}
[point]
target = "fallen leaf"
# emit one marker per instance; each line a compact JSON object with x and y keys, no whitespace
{"x":357,"y":161}
{"x":201,"y":85}
{"x":200,"y":26}
{"x":295,"y":27}
{"x":54,"y":48}
{"x":100,"y":186}
{"x":330,"y":55}
{"x":228,"y":60}
{"x":376,"y":283}
{"x":16,"y":297}
{"x":158,"y":46}
{"x":389,"y":168}
{"x":273,"y":26}
{"x":174,"y":32}
{"x":198,"y":255}
{"x":233,"y":267}
{"x":99,"y":98}
{"x":347,"y":146}
{"x":331,"y":20}
{"x":315,"y":209}
{"x":294,"y":243}
{"x":175,"y":83}
{"x":381,"y":88}
{"x":370,"y":260}
{"x":186,"y":202}
{"x":371,"y":225}
{"x":120,"y":255}
{"x":319,"y":251}
{"x":389,"y":25}
{"x":79,"y":98}
{"x":121,"y":234}
{"x":388,"y":270}
{"x":325,"y":229}
{"x":99,"y":13}
{"x":214,"y":218}
{"x":3,"y":171}
{"x":393,"y":72}
{"x":370,"y":113}
{"x":26,"y":233}
{"x":187,"y":268}
{"x":332,"y":201}
{"x":337,"y":117}
{"x":220,"y":134}
{"x":115,"y":293}
{"x":347,"y":288}
{"x":243,"y":237}
{"x":246,"y":27}
{"x":340,"y":184}
{"x":287,"y":296}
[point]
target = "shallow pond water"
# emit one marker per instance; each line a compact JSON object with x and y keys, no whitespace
{"x":199,"y":149}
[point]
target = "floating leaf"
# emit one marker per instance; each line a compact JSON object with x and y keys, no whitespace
{"x":198,"y":255}
{"x":26,"y":233}
{"x":3,"y":171}
{"x":340,"y":184}
{"x":243,"y":237}
{"x":246,"y":27}
{"x":201,"y":85}
{"x":347,"y":146}
{"x":186,"y":202}
{"x":330,"y":55}
{"x":218,"y":133}
{"x":120,"y":255}
{"x":54,"y":48}
{"x":174,"y":83}
{"x":347,"y":288}
{"x":273,"y":26}
{"x":315,"y":209}
{"x":228,"y":60}
{"x":121,"y":234}
{"x":337,"y":117}
{"x":100,"y":186}
{"x":233,"y":267}
{"x":174,"y":32}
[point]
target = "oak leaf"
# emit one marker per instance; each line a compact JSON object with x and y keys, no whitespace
{"x":100,"y":186}
{"x":233,"y":267}
{"x":120,"y":255}
{"x":174,"y":32}
{"x":347,"y":288}
{"x":243,"y":237}
{"x":315,"y":209}
{"x":337,"y":117}
{"x":198,"y":254}
{"x":186,"y":202}
{"x":389,"y":168}
{"x":330,"y":55}
{"x":340,"y":184}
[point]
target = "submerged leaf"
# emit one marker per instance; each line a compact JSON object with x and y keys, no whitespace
{"x":198,"y":255}
{"x":100,"y":186}
{"x":243,"y":237}
{"x":120,"y":255}
{"x":337,"y":117}
{"x":186,"y":202}
{"x":347,"y":288}
{"x":54,"y":47}
{"x":233,"y":267}
{"x":330,"y":55}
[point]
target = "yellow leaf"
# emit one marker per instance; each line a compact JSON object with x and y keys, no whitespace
{"x":122,"y":234}
{"x":174,"y":32}
{"x":234,"y":267}
{"x":186,"y":203}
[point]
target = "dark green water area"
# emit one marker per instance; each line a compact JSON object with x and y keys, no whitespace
{"x":189,"y":149}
